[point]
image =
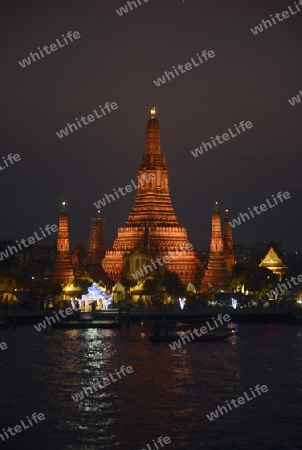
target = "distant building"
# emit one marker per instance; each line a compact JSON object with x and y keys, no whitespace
{"x":96,"y":242}
{"x":42,"y":261}
{"x":239,"y":254}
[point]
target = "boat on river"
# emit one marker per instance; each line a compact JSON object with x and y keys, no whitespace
{"x":206,"y":337}
{"x":169,"y":332}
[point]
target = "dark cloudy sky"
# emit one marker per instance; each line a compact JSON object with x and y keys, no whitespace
{"x":116,"y":60}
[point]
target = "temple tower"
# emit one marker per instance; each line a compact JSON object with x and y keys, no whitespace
{"x":216,"y":274}
{"x":228,"y":243}
{"x":62,"y":272}
{"x":153,"y":202}
{"x":152,"y":224}
{"x":96,"y":241}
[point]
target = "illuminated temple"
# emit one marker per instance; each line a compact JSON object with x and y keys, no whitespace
{"x":62,"y":271}
{"x":152,"y":229}
{"x":221,"y":258}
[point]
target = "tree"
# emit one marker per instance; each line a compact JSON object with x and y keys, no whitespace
{"x":174,"y":286}
{"x":261,"y":280}
{"x":239,"y":279}
{"x":150,"y":286}
{"x":164,"y":282}
{"x":45,"y":287}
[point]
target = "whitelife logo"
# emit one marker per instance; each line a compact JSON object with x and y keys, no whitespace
{"x":17,"y":429}
{"x":263,"y":208}
{"x":124,"y":9}
{"x":184,"y":68}
{"x":166,"y":259}
{"x":283,"y":288}
{"x":203,"y":330}
{"x":90,"y":118}
{"x":11,"y":158}
{"x":53,"y":48}
{"x":142,"y":181}
{"x":68,"y":311}
{"x":3,"y":345}
{"x":166,"y":440}
{"x":241,"y":401}
{"x":224,"y":136}
{"x":294,"y":100}
{"x":284,"y":14}
{"x":31,"y":240}
{"x":106,"y":382}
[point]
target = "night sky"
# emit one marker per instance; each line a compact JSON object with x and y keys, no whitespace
{"x":116,"y":59}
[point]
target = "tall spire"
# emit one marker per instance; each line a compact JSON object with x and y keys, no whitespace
{"x":153,"y":200}
{"x":62,"y":272}
{"x":63,"y":244}
{"x":152,"y":227}
{"x":216,"y":274}
{"x":216,"y":240}
{"x":153,"y":134}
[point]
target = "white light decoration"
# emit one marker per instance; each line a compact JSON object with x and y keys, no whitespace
{"x":182,"y":302}
{"x":98,"y":295}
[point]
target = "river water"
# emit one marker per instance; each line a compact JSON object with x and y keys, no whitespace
{"x":168,"y":394}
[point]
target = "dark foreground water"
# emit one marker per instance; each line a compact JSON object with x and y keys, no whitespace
{"x":169,"y":393}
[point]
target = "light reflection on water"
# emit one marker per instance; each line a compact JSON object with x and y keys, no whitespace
{"x":169,"y":394}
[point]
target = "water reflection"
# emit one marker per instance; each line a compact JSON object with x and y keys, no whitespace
{"x":169,"y":393}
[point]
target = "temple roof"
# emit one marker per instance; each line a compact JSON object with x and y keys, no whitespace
{"x":272,"y":259}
